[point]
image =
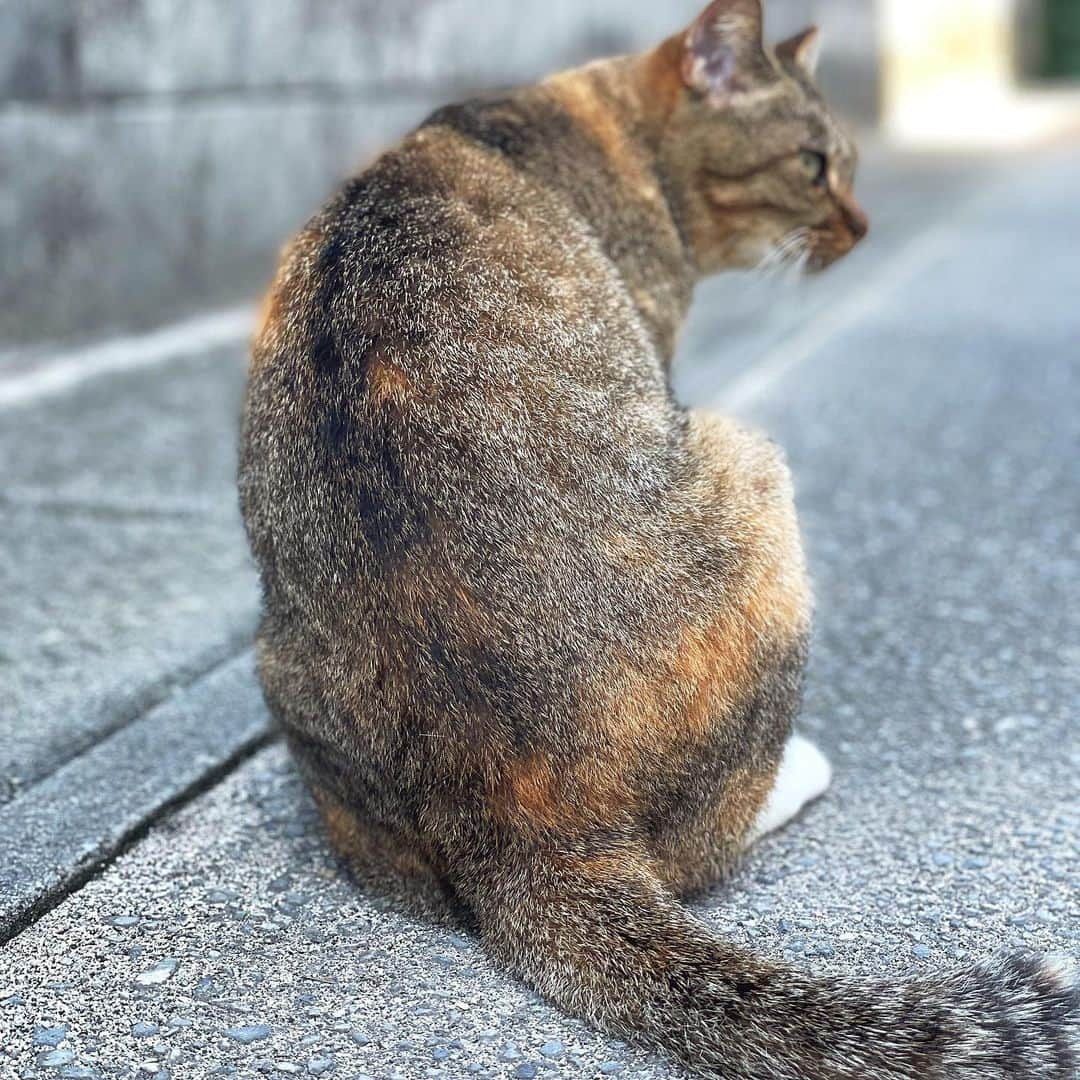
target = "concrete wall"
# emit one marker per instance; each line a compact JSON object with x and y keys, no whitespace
{"x":154,"y":153}
{"x":850,"y":70}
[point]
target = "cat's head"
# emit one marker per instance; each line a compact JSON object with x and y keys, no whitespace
{"x":761,"y":168}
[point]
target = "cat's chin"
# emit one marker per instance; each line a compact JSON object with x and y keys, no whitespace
{"x":828,"y":252}
{"x":819,"y":262}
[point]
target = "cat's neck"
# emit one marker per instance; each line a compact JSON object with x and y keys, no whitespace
{"x":625,"y":201}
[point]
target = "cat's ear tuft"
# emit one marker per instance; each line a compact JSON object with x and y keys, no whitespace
{"x":724,"y":55}
{"x":802,"y":52}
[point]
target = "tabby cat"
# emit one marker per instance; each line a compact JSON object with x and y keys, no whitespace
{"x":534,"y":630}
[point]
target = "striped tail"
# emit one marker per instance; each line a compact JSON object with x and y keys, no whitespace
{"x":603,"y":939}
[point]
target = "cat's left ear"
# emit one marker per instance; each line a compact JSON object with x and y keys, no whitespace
{"x":724,"y":52}
{"x":802,"y":52}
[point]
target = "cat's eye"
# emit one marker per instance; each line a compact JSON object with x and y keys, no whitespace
{"x":815,"y":165}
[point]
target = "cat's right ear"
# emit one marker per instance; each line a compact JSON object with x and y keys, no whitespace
{"x":724,"y":54}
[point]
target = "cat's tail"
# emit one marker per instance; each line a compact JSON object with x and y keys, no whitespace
{"x":602,"y":938}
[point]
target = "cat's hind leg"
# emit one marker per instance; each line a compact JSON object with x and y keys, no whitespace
{"x":803,"y":776}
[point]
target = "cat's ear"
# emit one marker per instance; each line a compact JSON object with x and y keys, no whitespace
{"x":802,"y":52}
{"x":723,"y":51}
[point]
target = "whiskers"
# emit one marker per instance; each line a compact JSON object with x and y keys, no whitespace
{"x":788,"y":258}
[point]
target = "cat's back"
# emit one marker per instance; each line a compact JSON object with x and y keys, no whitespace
{"x":446,"y":255}
{"x":447,"y":358}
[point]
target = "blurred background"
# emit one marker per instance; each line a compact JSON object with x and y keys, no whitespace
{"x":153,"y":154}
{"x":167,"y":902}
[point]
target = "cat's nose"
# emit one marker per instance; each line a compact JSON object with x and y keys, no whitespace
{"x":855,"y":218}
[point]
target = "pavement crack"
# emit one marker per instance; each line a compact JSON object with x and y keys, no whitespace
{"x":148,"y":698}
{"x":11,"y":925}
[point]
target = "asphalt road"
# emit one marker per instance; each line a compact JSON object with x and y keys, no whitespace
{"x":931,"y":410}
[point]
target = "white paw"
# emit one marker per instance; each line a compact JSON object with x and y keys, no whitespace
{"x":804,"y":775}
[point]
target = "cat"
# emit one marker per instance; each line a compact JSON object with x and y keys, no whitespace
{"x":533,"y":630}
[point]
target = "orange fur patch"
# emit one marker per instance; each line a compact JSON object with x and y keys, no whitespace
{"x":583,"y":100}
{"x":366,"y":849}
{"x":538,"y":796}
{"x":387,"y":384}
{"x":709,"y":668}
{"x":746,"y":794}
{"x":267,"y":313}
{"x":661,"y":79}
{"x":702,"y":678}
{"x":344,"y":832}
{"x":534,"y":792}
{"x":266,"y":325}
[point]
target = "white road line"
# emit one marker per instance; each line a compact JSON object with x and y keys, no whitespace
{"x":778,"y":361}
{"x":59,"y":373}
{"x":103,"y":501}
